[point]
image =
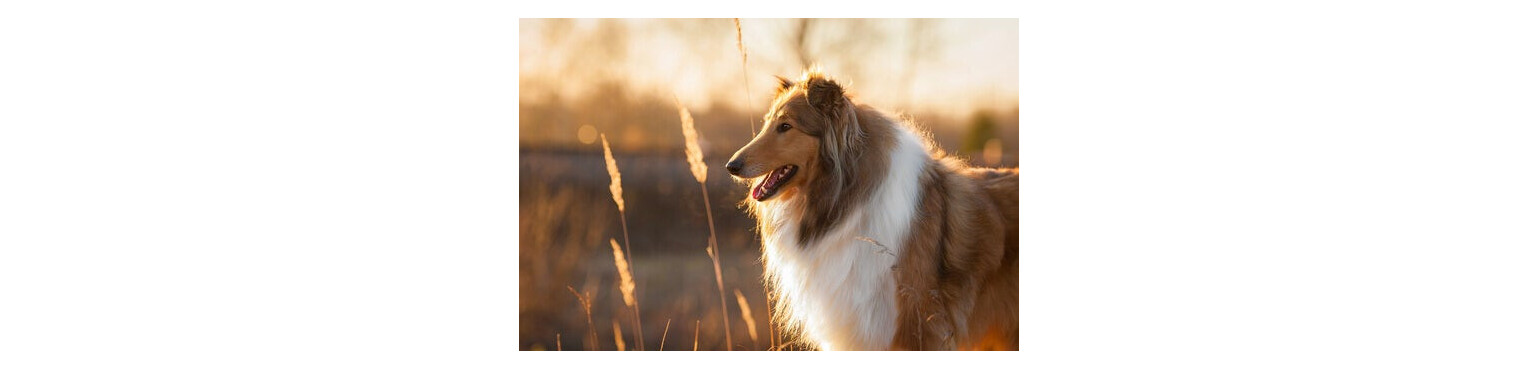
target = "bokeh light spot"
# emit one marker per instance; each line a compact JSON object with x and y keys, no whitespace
{"x":587,"y":134}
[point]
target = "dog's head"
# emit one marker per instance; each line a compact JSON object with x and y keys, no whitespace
{"x":806,"y":134}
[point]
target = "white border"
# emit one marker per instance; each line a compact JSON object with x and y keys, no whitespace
{"x":1209,"y":184}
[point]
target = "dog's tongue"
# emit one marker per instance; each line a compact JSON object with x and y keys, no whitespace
{"x":769,"y":184}
{"x":765,"y":186}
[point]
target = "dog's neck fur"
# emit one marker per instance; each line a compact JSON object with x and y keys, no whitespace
{"x":835,"y":185}
{"x":837,"y":287}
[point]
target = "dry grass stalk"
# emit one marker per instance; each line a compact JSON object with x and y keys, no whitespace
{"x":558,"y":341}
{"x":747,"y":317}
{"x":615,"y":188}
{"x":619,"y":340}
{"x":747,"y":95}
{"x":692,"y":144}
{"x":697,"y":166}
{"x":696,"y":335}
{"x":769,"y":312}
{"x":626,"y":280}
{"x":618,"y":191}
{"x":627,"y":288}
{"x":664,"y":344}
{"x":725,"y":321}
{"x":587,"y":311}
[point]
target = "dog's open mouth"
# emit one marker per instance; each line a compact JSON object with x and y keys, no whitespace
{"x":771,"y":183}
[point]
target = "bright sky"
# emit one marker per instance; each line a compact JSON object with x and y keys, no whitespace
{"x":964,"y":65}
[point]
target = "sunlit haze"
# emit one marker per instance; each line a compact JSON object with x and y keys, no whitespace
{"x":950,"y":67}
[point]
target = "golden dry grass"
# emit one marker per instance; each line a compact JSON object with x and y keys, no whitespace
{"x":627,"y":281}
{"x":665,"y":335}
{"x":587,"y":311}
{"x":618,"y":191}
{"x":692,"y":145}
{"x":747,"y":95}
{"x":559,"y":247}
{"x":747,"y":316}
{"x":699,"y":170}
{"x":615,"y":186}
{"x":619,"y":340}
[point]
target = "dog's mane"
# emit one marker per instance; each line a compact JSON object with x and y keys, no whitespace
{"x":851,"y":159}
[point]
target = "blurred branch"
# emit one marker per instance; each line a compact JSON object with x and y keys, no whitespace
{"x":798,"y":42}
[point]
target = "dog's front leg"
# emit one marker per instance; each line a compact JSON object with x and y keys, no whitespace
{"x":922,"y":321}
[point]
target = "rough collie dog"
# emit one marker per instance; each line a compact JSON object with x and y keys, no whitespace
{"x":873,"y":238}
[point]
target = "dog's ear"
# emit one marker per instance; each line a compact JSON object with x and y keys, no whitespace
{"x":826,"y":96}
{"x":841,"y":137}
{"x":784,"y":85}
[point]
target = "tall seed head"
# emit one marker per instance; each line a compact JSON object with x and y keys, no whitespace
{"x":614,"y":182}
{"x":692,"y":144}
{"x":747,"y":316}
{"x":626,"y":281}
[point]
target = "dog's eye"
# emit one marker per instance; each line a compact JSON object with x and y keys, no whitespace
{"x":784,"y":127}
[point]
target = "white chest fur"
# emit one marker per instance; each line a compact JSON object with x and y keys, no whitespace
{"x":841,"y":289}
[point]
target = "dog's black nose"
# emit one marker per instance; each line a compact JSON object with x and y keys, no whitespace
{"x":734,"y":167}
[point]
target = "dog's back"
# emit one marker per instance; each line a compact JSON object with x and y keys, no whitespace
{"x":1003,"y":187}
{"x":997,"y":311}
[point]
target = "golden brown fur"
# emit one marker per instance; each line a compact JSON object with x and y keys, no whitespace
{"x":956,"y":275}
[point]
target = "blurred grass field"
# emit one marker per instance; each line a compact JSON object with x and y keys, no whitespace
{"x":567,"y":220}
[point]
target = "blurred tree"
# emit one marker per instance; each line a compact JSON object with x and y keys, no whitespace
{"x":980,"y":129}
{"x":798,"y":38}
{"x":842,"y":44}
